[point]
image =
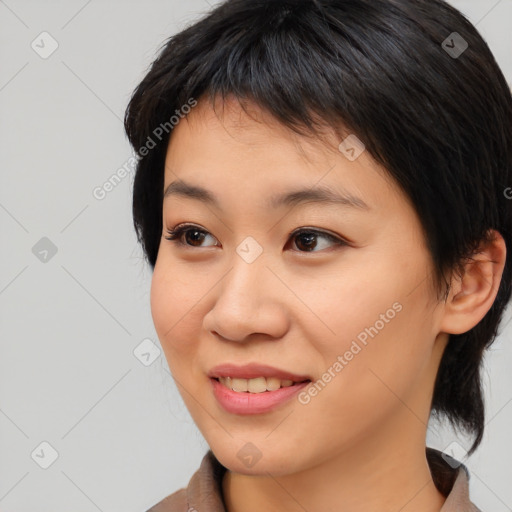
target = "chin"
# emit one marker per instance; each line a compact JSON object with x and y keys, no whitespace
{"x":248,"y":460}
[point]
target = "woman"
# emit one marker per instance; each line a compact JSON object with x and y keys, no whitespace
{"x":321,"y":195}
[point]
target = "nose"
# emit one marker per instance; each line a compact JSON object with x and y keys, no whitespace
{"x":249,"y":300}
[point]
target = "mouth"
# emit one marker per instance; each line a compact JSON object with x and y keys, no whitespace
{"x":255,"y":377}
{"x":254,"y":388}
{"x":240,"y":396}
{"x":257,"y":384}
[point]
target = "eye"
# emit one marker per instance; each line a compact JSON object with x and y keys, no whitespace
{"x":306,"y":237}
{"x":196,"y":234}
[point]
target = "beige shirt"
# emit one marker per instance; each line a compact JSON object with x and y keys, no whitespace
{"x":204,"y":490}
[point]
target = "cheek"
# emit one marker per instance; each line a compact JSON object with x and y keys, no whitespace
{"x":161,"y":302}
{"x":377,"y":326}
{"x":173,"y":308}
{"x":354,"y":306}
{"x":385,"y":363}
{"x":365,"y":383}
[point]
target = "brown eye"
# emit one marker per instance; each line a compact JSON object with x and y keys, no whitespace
{"x":307,"y":239}
{"x":193,"y":235}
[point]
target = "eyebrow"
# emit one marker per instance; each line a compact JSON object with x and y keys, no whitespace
{"x":317,"y":195}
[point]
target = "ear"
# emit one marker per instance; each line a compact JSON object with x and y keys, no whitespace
{"x":473,"y":293}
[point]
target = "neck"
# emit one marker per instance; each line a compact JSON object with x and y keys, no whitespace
{"x":385,"y":476}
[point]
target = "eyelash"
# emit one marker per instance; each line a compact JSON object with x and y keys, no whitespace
{"x":176,"y":233}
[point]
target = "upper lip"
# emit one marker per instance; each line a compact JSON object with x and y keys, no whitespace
{"x":253,"y":370}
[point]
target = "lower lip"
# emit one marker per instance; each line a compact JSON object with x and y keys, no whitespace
{"x":253,"y":403}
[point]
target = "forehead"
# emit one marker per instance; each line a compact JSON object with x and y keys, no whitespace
{"x":233,"y":122}
{"x":225,"y":146}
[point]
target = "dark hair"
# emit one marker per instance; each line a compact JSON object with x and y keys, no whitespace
{"x":439,"y":122}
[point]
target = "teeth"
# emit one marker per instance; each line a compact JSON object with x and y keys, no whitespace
{"x":239,"y":384}
{"x":273,"y":383}
{"x":257,"y":385}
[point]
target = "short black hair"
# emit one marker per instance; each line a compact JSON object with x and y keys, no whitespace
{"x":412,"y":79}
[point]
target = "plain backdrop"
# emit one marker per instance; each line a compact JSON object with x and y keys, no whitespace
{"x":90,"y":418}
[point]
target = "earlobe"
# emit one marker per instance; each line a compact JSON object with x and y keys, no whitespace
{"x":473,"y":292}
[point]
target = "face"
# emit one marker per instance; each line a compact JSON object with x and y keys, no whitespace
{"x":336,"y":291}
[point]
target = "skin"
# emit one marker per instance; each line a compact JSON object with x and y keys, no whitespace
{"x":359,"y":444}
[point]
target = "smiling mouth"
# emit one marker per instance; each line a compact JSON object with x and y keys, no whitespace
{"x":256,"y":385}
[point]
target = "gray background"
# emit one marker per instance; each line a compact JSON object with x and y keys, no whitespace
{"x":71,"y":321}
